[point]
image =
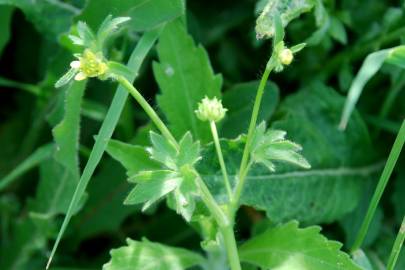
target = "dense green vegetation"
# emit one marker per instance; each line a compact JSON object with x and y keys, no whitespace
{"x":169,"y":135}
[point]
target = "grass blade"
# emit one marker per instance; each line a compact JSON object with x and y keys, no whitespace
{"x":369,"y":67}
{"x":396,"y":249}
{"x":382,"y":183}
{"x":32,"y":161}
{"x":107,"y":129}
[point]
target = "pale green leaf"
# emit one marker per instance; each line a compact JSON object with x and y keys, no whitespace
{"x":239,"y":101}
{"x":185,"y":76}
{"x":337,"y":30}
{"x":146,"y":255}
{"x":289,"y":247}
{"x":133,"y":158}
{"x":370,"y":66}
{"x":286,"y":9}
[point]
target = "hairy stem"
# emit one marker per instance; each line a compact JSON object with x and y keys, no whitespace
{"x":396,"y":249}
{"x":221,"y":159}
{"x":385,"y":176}
{"x":205,"y":193}
{"x":231,"y":247}
{"x":243,"y":170}
{"x":148,"y":109}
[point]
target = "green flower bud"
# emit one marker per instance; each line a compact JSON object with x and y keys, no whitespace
{"x":210,"y":110}
{"x":286,"y":56}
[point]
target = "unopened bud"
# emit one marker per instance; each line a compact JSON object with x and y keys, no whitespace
{"x":286,"y":56}
{"x":210,"y":110}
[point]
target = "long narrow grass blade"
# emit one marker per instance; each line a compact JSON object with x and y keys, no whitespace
{"x":107,"y":129}
{"x":369,"y":67}
{"x":42,"y":153}
{"x":382,"y":183}
{"x":396,"y":249}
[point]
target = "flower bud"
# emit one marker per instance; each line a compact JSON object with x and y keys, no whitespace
{"x":286,"y":56}
{"x":210,"y":110}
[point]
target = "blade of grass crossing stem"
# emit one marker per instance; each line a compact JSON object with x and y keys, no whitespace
{"x":382,"y":183}
{"x":369,"y":67}
{"x":396,"y":249}
{"x":107,"y":129}
{"x":42,"y":153}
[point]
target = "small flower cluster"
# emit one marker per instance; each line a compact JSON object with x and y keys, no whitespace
{"x":92,"y":63}
{"x":210,"y":110}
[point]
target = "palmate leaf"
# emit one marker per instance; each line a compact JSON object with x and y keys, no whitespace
{"x":286,"y":9}
{"x":160,"y":171}
{"x":341,"y":163}
{"x":185,"y":76}
{"x":146,"y":255}
{"x":269,"y":146}
{"x":289,"y":247}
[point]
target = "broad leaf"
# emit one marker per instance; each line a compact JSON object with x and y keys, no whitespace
{"x":146,"y":255}
{"x":185,"y":76}
{"x":144,"y":15}
{"x":286,"y":9}
{"x":341,"y":163}
{"x":239,"y":101}
{"x":289,"y":247}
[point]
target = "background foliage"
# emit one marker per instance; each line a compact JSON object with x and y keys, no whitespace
{"x":46,"y":134}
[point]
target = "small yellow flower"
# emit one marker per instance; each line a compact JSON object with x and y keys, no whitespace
{"x":210,"y":110}
{"x":89,"y":65}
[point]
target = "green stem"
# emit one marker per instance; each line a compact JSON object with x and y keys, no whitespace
{"x":243,"y":170}
{"x":221,"y":159}
{"x":205,"y":193}
{"x":396,"y":249}
{"x":148,"y":109}
{"x":231,"y":247}
{"x":385,"y":176}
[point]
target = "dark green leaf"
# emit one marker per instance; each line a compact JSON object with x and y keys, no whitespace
{"x":49,"y":17}
{"x":340,"y":167}
{"x":146,"y":255}
{"x":239,"y":102}
{"x":289,"y":247}
{"x":5,"y":20}
{"x":144,"y":15}
{"x":185,"y":76}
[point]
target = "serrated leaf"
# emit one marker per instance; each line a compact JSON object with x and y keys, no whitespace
{"x":289,"y":247}
{"x":151,"y":191}
{"x":239,"y":101}
{"x":146,"y":255}
{"x":341,"y":163}
{"x":269,"y":146}
{"x":286,"y":9}
{"x":185,"y":76}
{"x":133,"y":158}
{"x":145,"y":15}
